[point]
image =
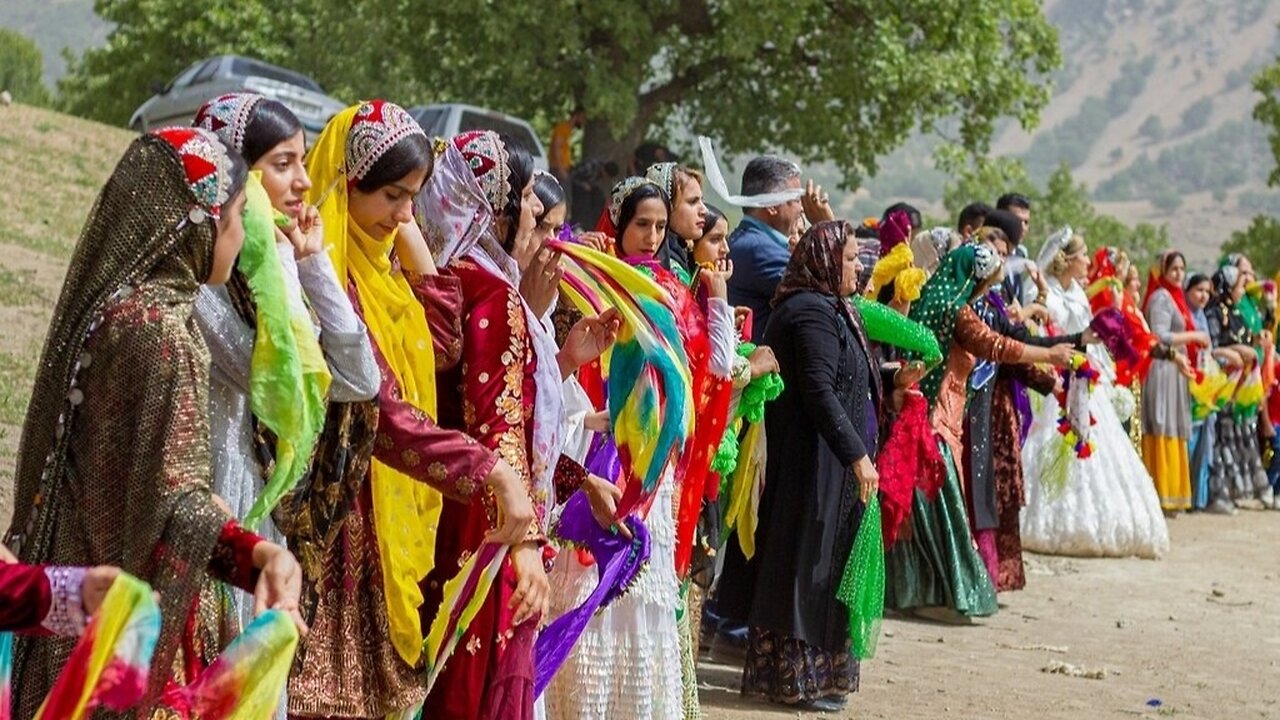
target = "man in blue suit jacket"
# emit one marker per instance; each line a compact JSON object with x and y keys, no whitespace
{"x":760,"y":246}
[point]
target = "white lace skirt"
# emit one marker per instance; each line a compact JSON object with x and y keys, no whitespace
{"x":627,"y":662}
{"x":1109,"y":507}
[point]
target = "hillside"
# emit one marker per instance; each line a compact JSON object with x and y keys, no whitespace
{"x":55,"y":25}
{"x":39,"y":225}
{"x":1152,"y":111}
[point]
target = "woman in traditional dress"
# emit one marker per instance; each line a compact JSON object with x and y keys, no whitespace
{"x":271,"y":140}
{"x":1166,"y":398}
{"x":628,"y":661}
{"x":114,"y":461}
{"x":823,"y":436}
{"x":993,"y":433}
{"x":506,"y":393}
{"x":368,"y":512}
{"x":1237,"y":476}
{"x":683,"y":186}
{"x":1107,"y":505}
{"x":938,"y":572}
{"x":1199,"y":291}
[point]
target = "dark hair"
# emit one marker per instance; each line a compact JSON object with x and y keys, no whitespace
{"x":714,"y":215}
{"x":271,"y":124}
{"x":972,"y":212}
{"x":913,"y":215}
{"x":238,"y":174}
{"x":1168,"y":260}
{"x":1013,"y":200}
{"x":413,"y":152}
{"x":549,"y":191}
{"x":519,"y":172}
{"x":991,"y":233}
{"x":627,"y":212}
{"x":1008,"y":223}
{"x":1195,"y":279}
{"x":768,"y":173}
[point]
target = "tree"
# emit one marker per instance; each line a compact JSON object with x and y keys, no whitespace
{"x":839,"y":80}
{"x":20,"y":67}
{"x":1261,"y":242}
{"x":1267,"y":111}
{"x":1197,"y":116}
{"x":1152,"y":128}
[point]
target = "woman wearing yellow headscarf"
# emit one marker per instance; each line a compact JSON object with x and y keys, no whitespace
{"x":359,"y":661}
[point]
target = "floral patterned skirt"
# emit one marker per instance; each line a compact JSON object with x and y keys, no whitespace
{"x":786,"y":670}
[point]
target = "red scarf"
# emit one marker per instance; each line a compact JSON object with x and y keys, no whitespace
{"x":1156,"y":280}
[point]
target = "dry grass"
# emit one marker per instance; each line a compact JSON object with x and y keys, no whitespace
{"x":55,"y":165}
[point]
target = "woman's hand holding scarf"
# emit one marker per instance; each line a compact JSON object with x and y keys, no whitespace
{"x":762,"y":362}
{"x":716,"y":278}
{"x":533,"y":590}
{"x":279,"y":584}
{"x":587,"y":340}
{"x":515,"y":510}
{"x":603,"y":497}
{"x":868,"y":477}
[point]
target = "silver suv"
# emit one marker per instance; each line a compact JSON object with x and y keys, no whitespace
{"x":177,"y":102}
{"x":450,"y":119}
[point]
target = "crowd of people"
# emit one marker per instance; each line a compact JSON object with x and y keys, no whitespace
{"x":390,"y":378}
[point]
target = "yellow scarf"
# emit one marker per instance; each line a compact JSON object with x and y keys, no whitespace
{"x":405,"y":511}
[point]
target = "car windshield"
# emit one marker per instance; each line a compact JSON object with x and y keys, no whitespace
{"x":427,"y":118}
{"x":246,"y":67}
{"x":480,"y":121}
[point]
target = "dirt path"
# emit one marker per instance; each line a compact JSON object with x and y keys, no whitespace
{"x":1198,"y":631}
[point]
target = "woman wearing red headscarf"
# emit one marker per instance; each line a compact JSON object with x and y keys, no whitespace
{"x":1166,"y":400}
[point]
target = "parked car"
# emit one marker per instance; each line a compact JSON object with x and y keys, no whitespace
{"x":449,"y":119}
{"x":177,"y":102}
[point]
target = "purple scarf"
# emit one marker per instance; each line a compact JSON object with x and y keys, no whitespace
{"x":619,"y":561}
{"x":1018,"y":391}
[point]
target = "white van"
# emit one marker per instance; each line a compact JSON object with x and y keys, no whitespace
{"x":449,"y":119}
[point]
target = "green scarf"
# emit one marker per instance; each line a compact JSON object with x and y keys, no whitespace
{"x":947,"y":290}
{"x":288,"y":376}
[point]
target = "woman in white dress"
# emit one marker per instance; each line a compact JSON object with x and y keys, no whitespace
{"x":1108,"y":507}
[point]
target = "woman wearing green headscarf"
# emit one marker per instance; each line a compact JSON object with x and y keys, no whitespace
{"x":937,"y":571}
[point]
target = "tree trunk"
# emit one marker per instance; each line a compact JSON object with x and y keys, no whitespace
{"x":590,"y":195}
{"x":599,"y":142}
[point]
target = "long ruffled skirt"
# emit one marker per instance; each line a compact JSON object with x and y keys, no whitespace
{"x":939,"y":565}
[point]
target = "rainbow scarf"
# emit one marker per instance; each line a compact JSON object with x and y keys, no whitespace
{"x":109,"y":666}
{"x":650,"y":388}
{"x":464,"y":595}
{"x":289,"y":378}
{"x":247,"y":679}
{"x":649,"y":406}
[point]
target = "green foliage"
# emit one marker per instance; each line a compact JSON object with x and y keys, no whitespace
{"x":1267,"y":112}
{"x":20,"y":66}
{"x":845,"y":81}
{"x":1152,"y":128}
{"x":1130,"y":84}
{"x":1071,"y":140}
{"x":1230,"y":156}
{"x":1261,"y":242}
{"x":1062,"y":201}
{"x":1197,"y":116}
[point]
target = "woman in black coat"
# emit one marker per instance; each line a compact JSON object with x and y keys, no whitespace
{"x":822,"y":437}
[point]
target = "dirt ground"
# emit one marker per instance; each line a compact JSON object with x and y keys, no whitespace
{"x":1195,"y":635}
